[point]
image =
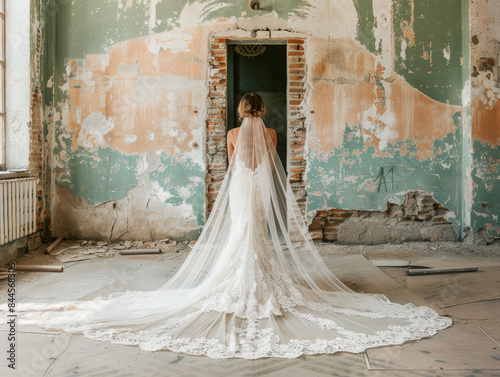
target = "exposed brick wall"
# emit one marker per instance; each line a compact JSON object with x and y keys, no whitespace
{"x":325,"y":224}
{"x":216,"y":120}
{"x":296,"y":120}
{"x":417,"y":207}
{"x":35,"y":131}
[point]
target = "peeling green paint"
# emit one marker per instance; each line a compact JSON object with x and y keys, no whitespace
{"x":437,"y":64}
{"x":62,"y":140}
{"x":193,"y":58}
{"x":486,"y":195}
{"x":347,"y":178}
{"x":438,"y":32}
{"x":99,"y":176}
{"x":107,"y":174}
{"x":366,"y":24}
{"x":383,"y":96}
{"x":40,"y":13}
{"x":184,"y":181}
{"x":91,"y":26}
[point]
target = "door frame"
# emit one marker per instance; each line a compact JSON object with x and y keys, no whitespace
{"x":296,"y":92}
{"x":230,"y":92}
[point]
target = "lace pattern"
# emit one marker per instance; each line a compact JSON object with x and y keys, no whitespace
{"x":245,"y":293}
{"x":253,"y":343}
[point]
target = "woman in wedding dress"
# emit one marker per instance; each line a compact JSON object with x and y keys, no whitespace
{"x":254,"y":285}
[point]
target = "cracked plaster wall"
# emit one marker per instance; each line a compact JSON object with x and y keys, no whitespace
{"x":386,"y":100}
{"x":484,"y":167}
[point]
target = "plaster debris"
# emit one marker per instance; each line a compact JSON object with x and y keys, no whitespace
{"x":197,"y":13}
{"x":130,"y":139}
{"x":93,"y":129}
{"x":380,"y":125}
{"x":269,"y":21}
{"x":326,"y":19}
{"x":50,"y":82}
{"x":446,"y":53}
{"x":171,"y":40}
{"x":403,"y":49}
{"x":419,"y":218}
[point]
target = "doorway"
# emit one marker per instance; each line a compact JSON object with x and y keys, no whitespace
{"x":260,"y":68}
{"x":291,"y":129}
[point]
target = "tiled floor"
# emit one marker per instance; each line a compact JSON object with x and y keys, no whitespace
{"x":470,"y":347}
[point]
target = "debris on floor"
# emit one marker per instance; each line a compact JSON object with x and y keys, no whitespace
{"x":40,"y":268}
{"x":467,"y":298}
{"x":444,"y":270}
{"x":140,"y":251}
{"x":53,"y":245}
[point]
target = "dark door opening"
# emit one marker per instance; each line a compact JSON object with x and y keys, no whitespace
{"x":265,"y":74}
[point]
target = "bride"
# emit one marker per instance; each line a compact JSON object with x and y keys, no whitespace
{"x":254,"y":285}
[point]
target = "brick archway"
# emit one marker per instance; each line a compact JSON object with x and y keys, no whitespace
{"x":216,"y":150}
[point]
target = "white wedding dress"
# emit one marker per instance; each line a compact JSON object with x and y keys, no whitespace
{"x":253,"y":286}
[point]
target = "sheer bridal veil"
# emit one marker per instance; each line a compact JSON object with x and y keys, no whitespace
{"x":254,"y":285}
{"x":256,"y":202}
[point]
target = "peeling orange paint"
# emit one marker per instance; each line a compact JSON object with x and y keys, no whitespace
{"x":335,"y":105}
{"x":380,"y":70}
{"x":486,"y":118}
{"x":407,"y":27}
{"x":381,"y":107}
{"x":183,"y":63}
{"x":420,"y":116}
{"x":416,"y":115}
{"x":340,"y":58}
{"x":339,"y":103}
{"x":163,"y":121}
{"x":403,"y":151}
{"x":73,"y":65}
{"x":424,"y":148}
{"x":373,"y":141}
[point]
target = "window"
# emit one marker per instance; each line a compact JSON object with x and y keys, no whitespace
{"x":2,"y":85}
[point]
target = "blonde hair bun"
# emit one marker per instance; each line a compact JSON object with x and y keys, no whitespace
{"x":251,"y":105}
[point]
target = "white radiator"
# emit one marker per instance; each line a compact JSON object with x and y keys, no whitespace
{"x":17,"y":208}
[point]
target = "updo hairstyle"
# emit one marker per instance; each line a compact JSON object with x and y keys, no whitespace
{"x":251,"y":105}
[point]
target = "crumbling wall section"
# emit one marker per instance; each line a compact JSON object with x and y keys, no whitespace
{"x":134,"y":129}
{"x":37,"y":19}
{"x":216,"y":113}
{"x":484,"y":169}
{"x":419,"y":218}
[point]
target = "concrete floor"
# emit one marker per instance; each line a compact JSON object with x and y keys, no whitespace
{"x":470,"y":347}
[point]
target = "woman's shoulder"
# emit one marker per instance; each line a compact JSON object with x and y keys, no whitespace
{"x":272,"y":133}
{"x":232,"y":134}
{"x":232,"y":131}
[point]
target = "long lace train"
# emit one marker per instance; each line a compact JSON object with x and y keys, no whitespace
{"x":253,"y":286}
